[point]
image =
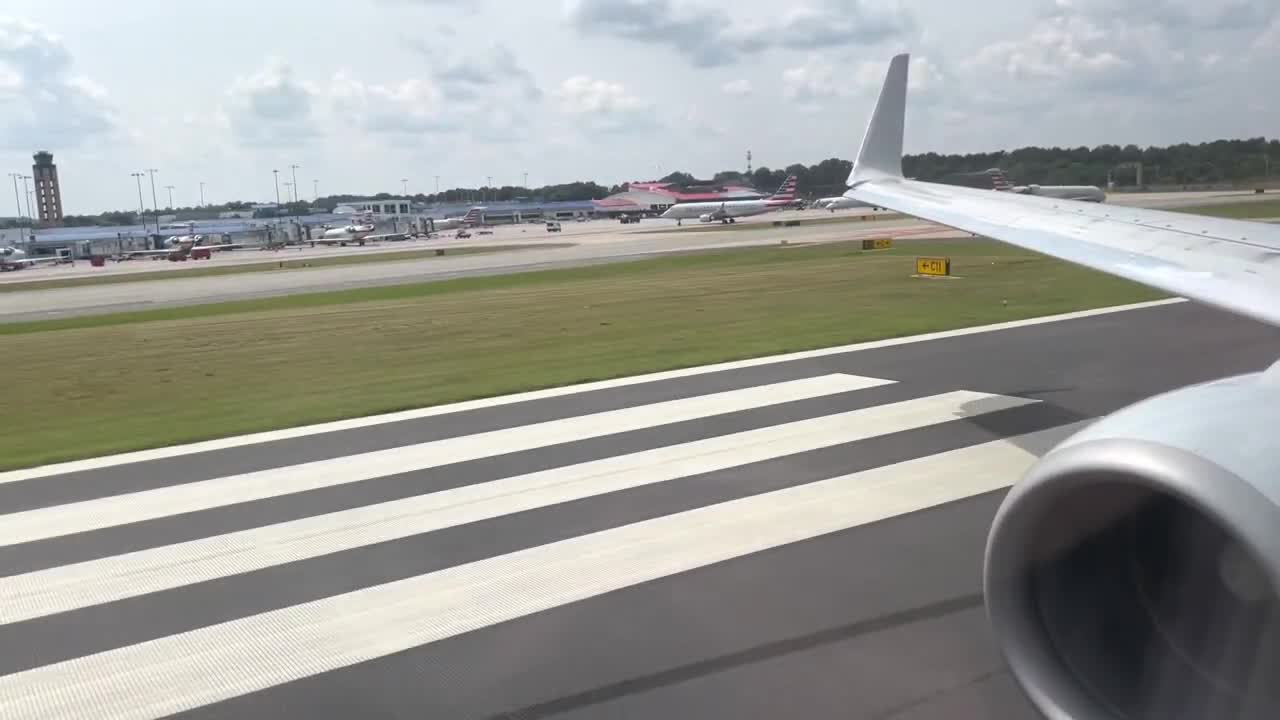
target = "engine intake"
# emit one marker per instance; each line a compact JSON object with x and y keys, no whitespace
{"x":1135,"y":571}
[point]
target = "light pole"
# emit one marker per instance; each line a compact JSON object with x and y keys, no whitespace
{"x":276,"y":174}
{"x":293,"y":169}
{"x":170,"y":189}
{"x":155,"y":206}
{"x":16,"y":200}
{"x":201,"y":194}
{"x":15,"y":177}
{"x":488,"y":188}
{"x":526,"y":181}
{"x":26,"y":191}
{"x":405,"y":182}
{"x":315,"y":188}
{"x":142,"y":211}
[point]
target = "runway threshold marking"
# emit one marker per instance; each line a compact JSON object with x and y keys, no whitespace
{"x":373,"y":420}
{"x":69,"y":587}
{"x":171,"y":674}
{"x":58,"y":520}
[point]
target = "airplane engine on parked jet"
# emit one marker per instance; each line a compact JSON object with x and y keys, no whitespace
{"x":706,"y":218}
{"x":1135,"y":571}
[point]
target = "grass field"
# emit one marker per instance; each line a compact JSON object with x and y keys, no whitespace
{"x":138,"y":381}
{"x":274,"y":265}
{"x":1243,"y":210}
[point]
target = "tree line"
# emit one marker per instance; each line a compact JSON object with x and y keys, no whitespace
{"x":1237,"y":162}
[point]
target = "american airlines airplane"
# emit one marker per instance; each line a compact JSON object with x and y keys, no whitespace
{"x":1134,"y":571}
{"x":728,"y":211}
{"x":840,"y":202}
{"x":472,"y":218}
{"x":1086,"y":193}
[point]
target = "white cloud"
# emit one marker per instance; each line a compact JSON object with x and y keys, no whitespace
{"x":492,"y":71}
{"x":469,"y":6}
{"x":710,"y":35}
{"x":741,"y":87}
{"x":1267,"y":44}
{"x":699,"y":124}
{"x":814,"y":80}
{"x":603,"y":105}
{"x":272,"y":106}
{"x":43,"y":102}
{"x":407,"y":108}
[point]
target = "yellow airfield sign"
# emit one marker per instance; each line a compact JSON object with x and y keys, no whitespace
{"x":934,"y":266}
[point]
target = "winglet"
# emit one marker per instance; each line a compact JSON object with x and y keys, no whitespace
{"x":881,"y":153}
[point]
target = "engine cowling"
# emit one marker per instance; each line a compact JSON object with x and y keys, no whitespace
{"x":706,"y":218}
{"x":1135,"y":571}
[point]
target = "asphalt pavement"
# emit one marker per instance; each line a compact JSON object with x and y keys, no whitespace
{"x":793,"y":536}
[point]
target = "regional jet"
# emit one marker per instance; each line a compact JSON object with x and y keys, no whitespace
{"x":12,"y":258}
{"x":342,"y":235}
{"x":471,"y":219}
{"x":182,"y":247}
{"x":728,"y":211}
{"x":840,"y":202}
{"x":1086,"y":193}
{"x":1134,"y":571}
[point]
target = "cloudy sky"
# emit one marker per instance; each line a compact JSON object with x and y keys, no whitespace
{"x":363,"y":93}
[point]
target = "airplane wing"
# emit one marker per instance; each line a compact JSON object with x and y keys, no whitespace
{"x":1230,"y":264}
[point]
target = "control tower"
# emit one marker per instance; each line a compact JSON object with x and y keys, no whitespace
{"x":48,"y":192}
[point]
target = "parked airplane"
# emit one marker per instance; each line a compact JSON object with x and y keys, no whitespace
{"x":471,"y":219}
{"x":12,"y":258}
{"x":352,"y":232}
{"x":727,"y":211}
{"x":181,"y":247}
{"x":1086,"y":193}
{"x":1134,"y":572}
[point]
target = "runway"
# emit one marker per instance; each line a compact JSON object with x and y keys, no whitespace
{"x":798,"y":535}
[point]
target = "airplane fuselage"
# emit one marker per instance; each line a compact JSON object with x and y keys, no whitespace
{"x":712,"y":211}
{"x":839,"y":203}
{"x":1084,"y":193}
{"x":11,"y":258}
{"x":349,"y":232}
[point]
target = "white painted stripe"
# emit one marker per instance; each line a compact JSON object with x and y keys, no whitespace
{"x":369,"y":421}
{"x":172,"y":674}
{"x":36,"y":594}
{"x":99,"y":513}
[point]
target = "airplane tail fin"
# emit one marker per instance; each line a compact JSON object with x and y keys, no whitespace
{"x":786,"y":191}
{"x":998,"y":180}
{"x":881,"y":152}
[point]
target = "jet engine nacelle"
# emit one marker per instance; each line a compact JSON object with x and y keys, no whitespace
{"x":1135,"y":571}
{"x":706,"y":218}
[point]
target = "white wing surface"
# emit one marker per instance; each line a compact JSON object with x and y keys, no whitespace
{"x":1231,"y":264}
